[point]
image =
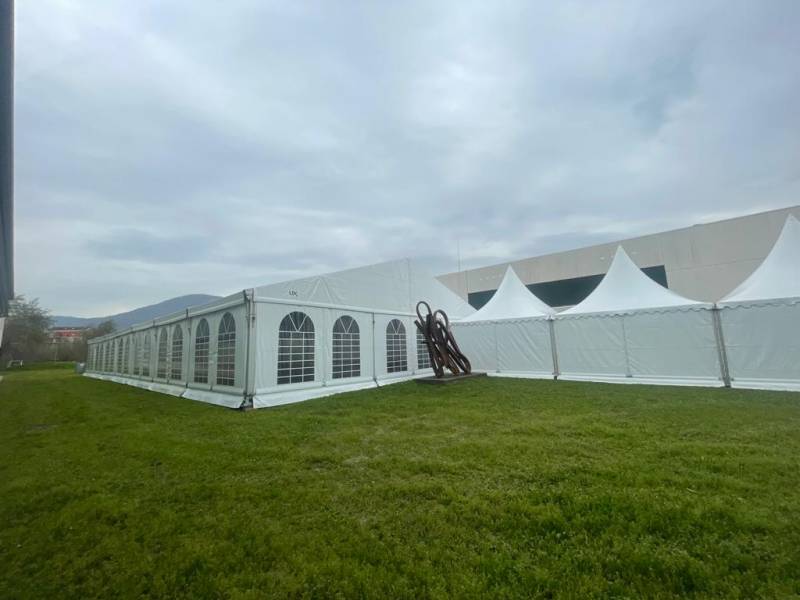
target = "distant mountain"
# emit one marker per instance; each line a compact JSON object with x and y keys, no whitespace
{"x":138,"y":315}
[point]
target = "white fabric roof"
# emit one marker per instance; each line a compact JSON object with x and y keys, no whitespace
{"x":779,"y":275}
{"x":511,"y":300}
{"x":394,"y":286}
{"x":626,"y":288}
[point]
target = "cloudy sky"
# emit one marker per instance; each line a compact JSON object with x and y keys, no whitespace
{"x":174,"y":147}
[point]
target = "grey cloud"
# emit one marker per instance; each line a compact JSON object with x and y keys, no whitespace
{"x":142,"y":246}
{"x":173,"y":148}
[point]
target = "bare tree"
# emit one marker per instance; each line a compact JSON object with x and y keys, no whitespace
{"x":26,"y":334}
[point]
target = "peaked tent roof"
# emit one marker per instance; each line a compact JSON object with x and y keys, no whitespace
{"x":511,"y":300}
{"x":778,"y":276}
{"x":394,"y":286}
{"x":624,"y":288}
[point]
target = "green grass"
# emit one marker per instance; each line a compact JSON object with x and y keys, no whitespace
{"x":488,"y":488}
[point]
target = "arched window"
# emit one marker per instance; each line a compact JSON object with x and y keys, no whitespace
{"x":126,"y":354}
{"x":161,"y":363}
{"x":226,"y":351}
{"x":146,"y":355}
{"x":295,"y":349}
{"x":177,"y":354}
{"x":118,"y":366}
{"x":346,"y":348}
{"x":396,"y":359}
{"x":423,"y":357}
{"x":202,"y":337}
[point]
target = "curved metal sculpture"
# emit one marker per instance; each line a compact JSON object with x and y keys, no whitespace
{"x":442,"y":346}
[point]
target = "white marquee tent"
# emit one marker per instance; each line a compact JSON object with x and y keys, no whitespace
{"x":284,"y":342}
{"x":510,"y":334}
{"x":761,"y":319}
{"x":631,"y":329}
{"x":354,"y":329}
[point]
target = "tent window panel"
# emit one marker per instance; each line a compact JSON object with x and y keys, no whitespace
{"x":146,"y":355}
{"x":346,"y":348}
{"x":295,"y":349}
{"x":201,"y":345}
{"x":108,"y":358}
{"x":423,"y":357}
{"x":161,"y":370}
{"x":226,"y":351}
{"x":177,"y":354}
{"x":396,"y":355}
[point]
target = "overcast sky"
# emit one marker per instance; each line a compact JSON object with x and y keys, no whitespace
{"x":174,"y":147}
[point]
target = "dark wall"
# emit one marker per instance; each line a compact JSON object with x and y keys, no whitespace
{"x":567,"y":292}
{"x":6,"y":153}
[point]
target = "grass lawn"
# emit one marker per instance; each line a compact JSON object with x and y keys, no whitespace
{"x":492,"y":488}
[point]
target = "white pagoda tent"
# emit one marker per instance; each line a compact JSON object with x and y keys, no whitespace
{"x":631,"y":329}
{"x":761,"y":319}
{"x":510,"y":334}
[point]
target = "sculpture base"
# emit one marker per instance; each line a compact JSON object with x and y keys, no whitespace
{"x":448,"y":378}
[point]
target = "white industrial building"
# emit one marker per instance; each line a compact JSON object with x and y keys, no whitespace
{"x":703,"y":262}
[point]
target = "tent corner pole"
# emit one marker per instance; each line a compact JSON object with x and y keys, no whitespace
{"x":374,"y":363}
{"x":250,"y":318}
{"x":722,"y":353}
{"x":551,"y":324}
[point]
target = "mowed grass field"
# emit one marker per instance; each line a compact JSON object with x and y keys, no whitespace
{"x":489,"y":488}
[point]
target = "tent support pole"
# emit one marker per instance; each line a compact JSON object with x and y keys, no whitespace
{"x":250,"y":319}
{"x":551,"y":325}
{"x":374,"y":365}
{"x":625,"y":348}
{"x":720,"y":339}
{"x":186,"y":328}
{"x":496,"y":352}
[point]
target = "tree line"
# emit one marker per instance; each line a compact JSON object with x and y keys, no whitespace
{"x":27,"y":335}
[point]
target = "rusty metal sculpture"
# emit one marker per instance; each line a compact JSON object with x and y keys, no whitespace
{"x":442,"y":346}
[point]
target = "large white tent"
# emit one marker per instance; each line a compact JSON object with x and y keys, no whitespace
{"x":761,"y":319}
{"x":354,"y":329}
{"x":284,"y":342}
{"x":631,"y":329}
{"x":510,"y":334}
